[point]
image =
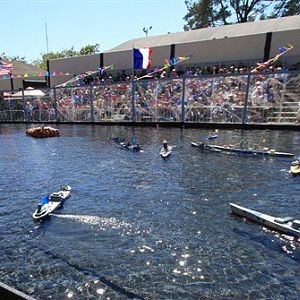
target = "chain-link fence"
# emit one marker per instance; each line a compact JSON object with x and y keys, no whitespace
{"x":233,"y":98}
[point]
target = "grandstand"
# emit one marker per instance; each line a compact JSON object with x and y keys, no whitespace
{"x":245,"y":43}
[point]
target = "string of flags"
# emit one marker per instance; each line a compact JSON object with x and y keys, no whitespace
{"x":168,"y":63}
{"x":9,"y":75}
{"x":264,"y":65}
{"x":101,"y":71}
{"x":32,"y":75}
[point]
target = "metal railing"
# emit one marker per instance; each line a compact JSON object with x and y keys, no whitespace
{"x":233,"y":98}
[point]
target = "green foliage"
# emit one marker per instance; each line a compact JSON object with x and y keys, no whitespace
{"x":212,"y":13}
{"x":287,"y":8}
{"x":205,"y":13}
{"x":86,"y":50}
{"x":89,"y":49}
{"x":12,"y":58}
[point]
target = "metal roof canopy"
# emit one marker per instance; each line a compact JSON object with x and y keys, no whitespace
{"x":205,"y":34}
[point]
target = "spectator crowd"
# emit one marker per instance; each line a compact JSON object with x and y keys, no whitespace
{"x":219,"y":96}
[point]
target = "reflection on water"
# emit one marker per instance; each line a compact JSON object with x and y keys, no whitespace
{"x":137,"y":226}
{"x":95,"y":220}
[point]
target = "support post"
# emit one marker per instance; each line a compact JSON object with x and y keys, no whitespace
{"x":183,"y":100}
{"x":133,"y":100}
{"x":24,"y":105}
{"x":101,"y":60}
{"x":55,"y":104}
{"x":92,"y":104}
{"x":48,"y":71}
{"x":267,"y":48}
{"x":245,"y":109}
{"x":11,"y":81}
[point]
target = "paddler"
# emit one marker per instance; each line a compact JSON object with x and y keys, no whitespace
{"x":165,"y":145}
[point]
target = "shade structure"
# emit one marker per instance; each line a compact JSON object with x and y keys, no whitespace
{"x":30,"y":92}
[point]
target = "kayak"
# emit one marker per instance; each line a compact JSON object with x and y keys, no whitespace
{"x":286,"y":225}
{"x":164,"y":153}
{"x":262,"y":152}
{"x":52,"y":203}
{"x":135,"y":147}
{"x":295,"y":168}
{"x":128,"y":146}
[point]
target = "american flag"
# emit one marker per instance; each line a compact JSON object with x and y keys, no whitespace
{"x":5,"y":68}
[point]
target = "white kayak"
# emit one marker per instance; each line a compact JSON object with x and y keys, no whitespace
{"x":54,"y":202}
{"x":295,"y":168}
{"x":164,"y":153}
{"x":287,"y":225}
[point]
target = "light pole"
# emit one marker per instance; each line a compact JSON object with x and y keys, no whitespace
{"x":146,"y":30}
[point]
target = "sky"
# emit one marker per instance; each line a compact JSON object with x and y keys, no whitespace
{"x":81,"y":22}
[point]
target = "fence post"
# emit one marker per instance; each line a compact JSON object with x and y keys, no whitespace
{"x":245,"y":109}
{"x":92,"y":104}
{"x":132,"y":100}
{"x":24,"y":105}
{"x":55,"y":104}
{"x":183,"y":100}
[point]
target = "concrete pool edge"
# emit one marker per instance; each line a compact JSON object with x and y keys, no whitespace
{"x":257,"y":126}
{"x":7,"y":292}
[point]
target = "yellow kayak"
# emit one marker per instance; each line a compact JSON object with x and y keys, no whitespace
{"x":295,"y":168}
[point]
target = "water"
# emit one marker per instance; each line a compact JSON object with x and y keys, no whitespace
{"x":137,"y":226}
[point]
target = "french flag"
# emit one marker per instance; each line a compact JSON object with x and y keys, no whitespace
{"x":142,"y":58}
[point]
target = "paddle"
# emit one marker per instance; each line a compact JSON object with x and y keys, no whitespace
{"x":210,"y":136}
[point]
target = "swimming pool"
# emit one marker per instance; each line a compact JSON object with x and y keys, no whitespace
{"x":138,"y":226}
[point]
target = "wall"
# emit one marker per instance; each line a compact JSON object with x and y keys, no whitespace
{"x":73,"y":65}
{"x":222,"y":50}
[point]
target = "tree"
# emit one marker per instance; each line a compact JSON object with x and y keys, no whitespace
{"x":287,"y":8}
{"x":89,"y":49}
{"x":212,"y":13}
{"x":205,"y":13}
{"x":12,"y":58}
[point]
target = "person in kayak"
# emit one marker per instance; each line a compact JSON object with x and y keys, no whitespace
{"x":165,"y":145}
{"x":136,"y":147}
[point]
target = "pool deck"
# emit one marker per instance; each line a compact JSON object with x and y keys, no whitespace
{"x":256,"y":126}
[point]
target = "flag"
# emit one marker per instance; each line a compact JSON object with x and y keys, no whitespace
{"x":142,"y":58}
{"x":283,"y":49}
{"x":5,"y":68}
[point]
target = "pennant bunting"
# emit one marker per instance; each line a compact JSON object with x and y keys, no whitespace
{"x":264,"y":65}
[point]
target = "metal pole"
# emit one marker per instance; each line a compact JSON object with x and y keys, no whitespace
{"x":92,"y":104}
{"x":245,"y":110}
{"x":11,"y":81}
{"x":24,"y":104}
{"x":10,"y":112}
{"x":48,"y":72}
{"x":55,"y":104}
{"x":47,"y":43}
{"x":182,"y":101}
{"x":133,"y":100}
{"x":133,"y":88}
